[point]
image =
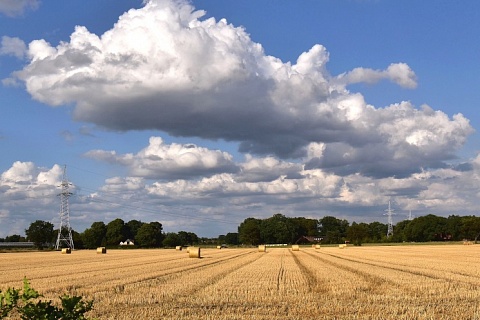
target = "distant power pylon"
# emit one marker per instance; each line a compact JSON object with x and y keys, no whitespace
{"x":64,"y":230}
{"x":390,"y":220}
{"x":410,"y":217}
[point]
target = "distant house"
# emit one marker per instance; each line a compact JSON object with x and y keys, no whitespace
{"x":308,"y":239}
{"x":127,"y":242}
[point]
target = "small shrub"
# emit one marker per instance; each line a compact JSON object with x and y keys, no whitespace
{"x":26,"y":305}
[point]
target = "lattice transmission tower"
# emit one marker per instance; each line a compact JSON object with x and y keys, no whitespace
{"x":64,"y":230}
{"x":410,"y":216}
{"x":389,"y":214}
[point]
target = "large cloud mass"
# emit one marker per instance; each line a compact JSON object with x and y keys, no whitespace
{"x":260,"y":188}
{"x":163,"y":67}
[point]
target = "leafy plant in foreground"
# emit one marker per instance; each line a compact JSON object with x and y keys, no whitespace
{"x":26,"y":305}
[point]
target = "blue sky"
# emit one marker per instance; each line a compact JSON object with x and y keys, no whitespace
{"x":171,"y":114}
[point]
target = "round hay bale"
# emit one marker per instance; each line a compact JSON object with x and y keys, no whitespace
{"x":66,"y":251}
{"x":219,"y":247}
{"x":262,"y":248}
{"x":317,"y":246}
{"x":188,"y":250}
{"x":342,"y":246}
{"x":101,"y":250}
{"x":295,"y":247}
{"x":194,"y":252}
{"x":178,"y":248}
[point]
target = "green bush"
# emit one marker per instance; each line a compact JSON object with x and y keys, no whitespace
{"x":27,"y":305}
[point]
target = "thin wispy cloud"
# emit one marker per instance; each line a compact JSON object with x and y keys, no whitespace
{"x":13,"y":8}
{"x":13,"y":46}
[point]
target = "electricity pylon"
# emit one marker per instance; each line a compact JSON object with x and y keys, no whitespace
{"x":410,"y":217}
{"x":390,"y":220}
{"x":64,"y":230}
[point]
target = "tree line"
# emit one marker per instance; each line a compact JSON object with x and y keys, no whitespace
{"x":331,"y":230}
{"x":254,"y":231}
{"x":148,"y":235}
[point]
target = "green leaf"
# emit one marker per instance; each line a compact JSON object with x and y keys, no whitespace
{"x":8,"y":301}
{"x":74,"y":308}
{"x":28,"y":292}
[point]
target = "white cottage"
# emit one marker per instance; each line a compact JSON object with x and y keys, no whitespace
{"x":127,"y":242}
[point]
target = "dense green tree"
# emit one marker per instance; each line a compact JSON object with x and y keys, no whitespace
{"x":133,"y":227}
{"x":14,"y":238}
{"x":77,"y":240}
{"x":249,"y":231}
{"x":277,"y":229}
{"x":193,"y":238}
{"x":426,"y":228}
{"x":231,"y":238}
{"x":40,"y":233}
{"x":187,"y":238}
{"x":454,"y":226}
{"x":171,"y":240}
{"x":304,"y":227}
{"x":470,"y":228}
{"x":160,"y":235}
{"x":220,"y":239}
{"x":357,"y":233}
{"x":146,"y":236}
{"x":376,"y":232}
{"x":150,"y":235}
{"x":183,"y":238}
{"x":399,"y":231}
{"x":95,"y":236}
{"x":333,"y":230}
{"x":117,"y":232}
{"x":208,"y":241}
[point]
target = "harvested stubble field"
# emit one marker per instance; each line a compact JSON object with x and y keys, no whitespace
{"x":404,"y":282}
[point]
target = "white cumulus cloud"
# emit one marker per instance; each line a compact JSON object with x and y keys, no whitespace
{"x":28,"y":193}
{"x":165,"y":67}
{"x":168,"y":161}
{"x":399,"y":73}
